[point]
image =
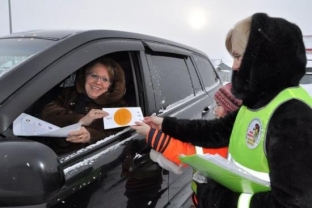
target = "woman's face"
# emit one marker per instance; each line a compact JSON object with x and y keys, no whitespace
{"x":238,"y":49}
{"x":219,"y":111}
{"x":97,"y":81}
{"x":238,"y":57}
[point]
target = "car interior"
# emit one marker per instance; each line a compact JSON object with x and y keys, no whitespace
{"x":123,"y":58}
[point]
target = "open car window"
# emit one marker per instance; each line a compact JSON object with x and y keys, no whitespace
{"x":122,"y":58}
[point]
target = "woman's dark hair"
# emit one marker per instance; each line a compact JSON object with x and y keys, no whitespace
{"x":115,"y":72}
{"x":109,"y":63}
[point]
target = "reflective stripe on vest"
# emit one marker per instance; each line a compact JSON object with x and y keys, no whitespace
{"x":261,"y":175}
{"x":247,"y":141}
{"x":244,"y":201}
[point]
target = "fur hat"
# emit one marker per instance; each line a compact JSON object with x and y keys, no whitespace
{"x":226,"y":99}
{"x":274,"y":59}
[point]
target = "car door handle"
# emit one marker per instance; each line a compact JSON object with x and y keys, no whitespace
{"x":205,"y":111}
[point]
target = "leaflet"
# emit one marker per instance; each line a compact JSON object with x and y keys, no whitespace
{"x":27,"y":125}
{"x":226,"y":173}
{"x":119,"y":117}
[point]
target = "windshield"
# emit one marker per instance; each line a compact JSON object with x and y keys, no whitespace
{"x":15,"y":51}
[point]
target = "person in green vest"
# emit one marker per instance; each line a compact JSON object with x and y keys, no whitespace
{"x":270,"y":135}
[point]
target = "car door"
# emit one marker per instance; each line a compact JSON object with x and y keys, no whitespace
{"x":208,"y":76}
{"x":99,"y":174}
{"x":180,"y":93}
{"x":103,"y":166}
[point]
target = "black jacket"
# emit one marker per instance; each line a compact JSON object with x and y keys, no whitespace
{"x":274,"y":60}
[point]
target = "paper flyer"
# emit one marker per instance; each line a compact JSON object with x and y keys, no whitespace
{"x":27,"y":125}
{"x":119,"y":117}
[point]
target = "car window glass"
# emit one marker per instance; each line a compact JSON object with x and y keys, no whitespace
{"x":194,"y":75}
{"x":15,"y":51}
{"x":171,"y":72}
{"x":206,"y":71}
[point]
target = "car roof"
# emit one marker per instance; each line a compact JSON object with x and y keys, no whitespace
{"x":65,"y":41}
{"x":58,"y":35}
{"x":43,"y":34}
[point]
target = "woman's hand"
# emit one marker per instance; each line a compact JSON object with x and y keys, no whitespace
{"x":79,"y":136}
{"x":141,"y":128}
{"x":154,"y":121}
{"x":92,"y":115}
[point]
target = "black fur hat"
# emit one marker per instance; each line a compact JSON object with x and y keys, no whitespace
{"x":274,"y":59}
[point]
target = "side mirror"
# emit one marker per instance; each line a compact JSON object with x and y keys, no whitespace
{"x":29,"y":172}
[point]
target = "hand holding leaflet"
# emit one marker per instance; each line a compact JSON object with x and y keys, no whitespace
{"x":27,"y":125}
{"x":226,"y":173}
{"x":119,"y":117}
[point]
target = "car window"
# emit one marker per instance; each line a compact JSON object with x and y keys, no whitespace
{"x":15,"y":51}
{"x":171,"y":72}
{"x":122,"y":58}
{"x":194,"y":75}
{"x":206,"y":71}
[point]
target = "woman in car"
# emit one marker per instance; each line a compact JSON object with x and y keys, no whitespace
{"x":100,"y":84}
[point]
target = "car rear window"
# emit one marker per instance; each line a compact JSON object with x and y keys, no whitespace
{"x":17,"y":50}
{"x":208,"y":75}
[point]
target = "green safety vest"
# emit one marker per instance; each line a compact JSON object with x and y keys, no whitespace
{"x":247,"y":141}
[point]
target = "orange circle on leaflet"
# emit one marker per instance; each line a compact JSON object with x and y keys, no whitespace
{"x":122,"y":116}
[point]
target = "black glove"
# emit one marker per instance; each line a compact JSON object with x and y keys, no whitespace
{"x":214,"y":195}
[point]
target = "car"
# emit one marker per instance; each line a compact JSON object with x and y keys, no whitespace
{"x":163,"y":77}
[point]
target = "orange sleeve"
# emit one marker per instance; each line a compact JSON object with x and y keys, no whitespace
{"x":171,"y":148}
{"x":222,"y":151}
{"x":176,"y":148}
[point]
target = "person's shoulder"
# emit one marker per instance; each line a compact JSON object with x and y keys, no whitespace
{"x":294,"y":109}
{"x":296,"y":105}
{"x":69,"y":91}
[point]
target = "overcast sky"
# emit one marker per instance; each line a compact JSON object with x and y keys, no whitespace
{"x":202,"y":24}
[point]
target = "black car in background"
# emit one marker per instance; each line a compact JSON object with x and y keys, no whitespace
{"x":163,"y":78}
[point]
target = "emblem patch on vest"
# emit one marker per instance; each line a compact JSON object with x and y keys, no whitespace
{"x":253,"y":135}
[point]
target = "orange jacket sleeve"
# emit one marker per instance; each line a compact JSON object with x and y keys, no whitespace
{"x":171,"y":148}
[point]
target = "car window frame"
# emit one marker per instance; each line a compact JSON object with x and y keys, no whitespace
{"x":166,"y":50}
{"x":72,"y":61}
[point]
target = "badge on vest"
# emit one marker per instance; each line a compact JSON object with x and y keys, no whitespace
{"x":253,"y":135}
